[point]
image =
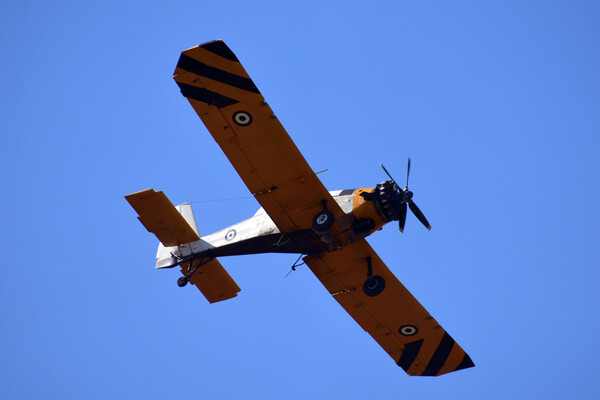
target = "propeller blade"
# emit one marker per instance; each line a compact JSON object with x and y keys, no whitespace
{"x":402,"y":217}
{"x":388,"y":174}
{"x":407,"y":173}
{"x":419,"y":214}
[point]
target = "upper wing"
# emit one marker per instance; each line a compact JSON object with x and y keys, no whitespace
{"x":237,"y":116}
{"x":393,"y":317}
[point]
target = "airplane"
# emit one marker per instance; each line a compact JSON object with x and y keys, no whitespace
{"x":297,"y":215}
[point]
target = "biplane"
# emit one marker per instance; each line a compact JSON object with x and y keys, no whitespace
{"x":297,"y":215}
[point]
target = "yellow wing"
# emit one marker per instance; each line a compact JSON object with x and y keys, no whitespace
{"x":384,"y":308}
{"x":212,"y":280}
{"x":159,"y":216}
{"x":237,"y":116}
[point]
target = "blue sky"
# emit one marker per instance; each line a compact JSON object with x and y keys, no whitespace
{"x":497,"y":104}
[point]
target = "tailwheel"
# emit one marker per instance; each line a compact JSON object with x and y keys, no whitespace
{"x":181,"y":282}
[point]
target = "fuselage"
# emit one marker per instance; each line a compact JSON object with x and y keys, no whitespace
{"x":259,"y":234}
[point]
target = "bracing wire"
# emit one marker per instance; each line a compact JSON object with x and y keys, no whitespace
{"x":219,"y":200}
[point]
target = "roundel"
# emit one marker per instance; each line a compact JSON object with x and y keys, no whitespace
{"x":408,"y":330}
{"x":242,"y":118}
{"x":230,"y":234}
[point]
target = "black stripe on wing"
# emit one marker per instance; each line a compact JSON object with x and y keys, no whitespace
{"x":465,"y":363}
{"x":219,"y":48}
{"x":409,"y":354}
{"x":189,"y":64}
{"x":205,"y":95}
{"x":439,"y":356}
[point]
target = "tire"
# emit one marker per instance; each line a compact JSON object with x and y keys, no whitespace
{"x":181,"y":282}
{"x":374,"y":286}
{"x":323,"y":221}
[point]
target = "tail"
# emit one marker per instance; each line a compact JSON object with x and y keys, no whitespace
{"x":175,"y":227}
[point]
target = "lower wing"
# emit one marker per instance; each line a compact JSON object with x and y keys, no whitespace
{"x":366,"y":288}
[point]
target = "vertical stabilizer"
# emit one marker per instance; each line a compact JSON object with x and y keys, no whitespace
{"x":164,"y":258}
{"x":187,"y":212}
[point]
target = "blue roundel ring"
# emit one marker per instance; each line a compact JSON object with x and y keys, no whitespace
{"x":230,"y":235}
{"x":242,"y":118}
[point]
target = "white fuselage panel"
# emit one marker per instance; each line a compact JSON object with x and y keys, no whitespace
{"x":258,"y":225}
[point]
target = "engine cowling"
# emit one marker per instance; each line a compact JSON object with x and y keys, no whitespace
{"x":385,"y":201}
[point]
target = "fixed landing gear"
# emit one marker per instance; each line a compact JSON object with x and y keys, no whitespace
{"x":181,"y":282}
{"x":324,"y":220}
{"x":374,"y":284}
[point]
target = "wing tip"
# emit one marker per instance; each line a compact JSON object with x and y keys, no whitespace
{"x":217,"y":47}
{"x":139,"y":194}
{"x":465,"y":363}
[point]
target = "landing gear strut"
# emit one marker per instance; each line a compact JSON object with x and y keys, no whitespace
{"x":374,"y":284}
{"x":181,"y":282}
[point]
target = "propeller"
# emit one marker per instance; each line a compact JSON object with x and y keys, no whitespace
{"x":406,"y":198}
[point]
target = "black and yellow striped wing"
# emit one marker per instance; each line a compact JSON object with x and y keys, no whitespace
{"x":384,"y":308}
{"x":235,"y":113}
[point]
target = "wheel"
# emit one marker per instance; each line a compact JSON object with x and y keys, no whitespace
{"x":323,"y":221}
{"x":181,"y":282}
{"x":374,"y":286}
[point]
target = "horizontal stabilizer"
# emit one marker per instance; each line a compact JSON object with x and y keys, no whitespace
{"x":159,"y":216}
{"x":212,"y":280}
